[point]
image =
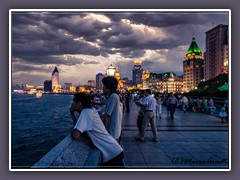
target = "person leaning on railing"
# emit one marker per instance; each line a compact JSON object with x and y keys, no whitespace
{"x":89,"y":121}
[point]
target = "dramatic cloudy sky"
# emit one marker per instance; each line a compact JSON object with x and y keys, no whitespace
{"x":82,"y":43}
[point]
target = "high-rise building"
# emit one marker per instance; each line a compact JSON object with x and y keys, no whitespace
{"x":145,"y":79}
{"x":216,"y":59}
{"x":192,"y":67}
{"x":99,"y":77}
{"x":48,"y":86}
{"x":55,"y":79}
{"x":137,"y":72}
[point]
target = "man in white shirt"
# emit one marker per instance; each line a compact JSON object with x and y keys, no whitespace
{"x":89,"y":121}
{"x":149,"y":104}
{"x":140,"y":117}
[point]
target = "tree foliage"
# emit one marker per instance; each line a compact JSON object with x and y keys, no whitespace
{"x":210,"y":88}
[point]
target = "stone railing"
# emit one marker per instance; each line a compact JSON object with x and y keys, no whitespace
{"x":71,"y":153}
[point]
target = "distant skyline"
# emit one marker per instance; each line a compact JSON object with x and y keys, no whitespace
{"x":82,"y":43}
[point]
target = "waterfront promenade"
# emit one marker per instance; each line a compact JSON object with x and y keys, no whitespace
{"x":191,"y":141}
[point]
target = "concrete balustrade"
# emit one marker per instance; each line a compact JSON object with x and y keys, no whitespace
{"x":71,"y":153}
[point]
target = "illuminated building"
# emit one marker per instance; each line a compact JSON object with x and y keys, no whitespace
{"x":117,"y":75}
{"x":72,"y":89}
{"x":99,"y":77}
{"x":137,"y":72}
{"x":40,"y":87}
{"x":57,"y":88}
{"x":145,"y":77}
{"x":27,"y":86}
{"x":192,"y":67}
{"x":172,"y":84}
{"x":121,"y":84}
{"x":168,"y":83}
{"x":216,"y":60}
{"x":32,"y":91}
{"x":55,"y":79}
{"x":81,"y":89}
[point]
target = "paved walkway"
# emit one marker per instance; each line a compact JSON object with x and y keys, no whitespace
{"x":191,"y":140}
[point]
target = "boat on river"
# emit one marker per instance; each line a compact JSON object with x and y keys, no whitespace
{"x":38,"y":94}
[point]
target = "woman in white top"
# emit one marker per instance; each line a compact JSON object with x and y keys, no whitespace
{"x":89,"y":121}
{"x":159,"y":105}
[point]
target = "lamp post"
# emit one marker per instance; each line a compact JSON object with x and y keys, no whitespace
{"x":111,"y":70}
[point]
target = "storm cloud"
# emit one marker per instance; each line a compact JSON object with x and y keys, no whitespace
{"x":93,"y":40}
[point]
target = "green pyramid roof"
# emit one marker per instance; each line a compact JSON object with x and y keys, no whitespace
{"x":194,"y":48}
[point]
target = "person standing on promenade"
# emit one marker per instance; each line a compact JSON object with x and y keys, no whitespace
{"x":167,"y":104}
{"x":205,"y":105}
{"x":122,"y":100}
{"x":211,"y":106}
{"x":198,"y":104}
{"x":127,"y":101}
{"x":149,"y":105}
{"x":223,"y":113}
{"x":172,"y":102}
{"x":138,"y":102}
{"x":226,"y":105}
{"x":89,"y":122}
{"x":159,"y":105}
{"x":114,"y":111}
{"x":184,"y":103}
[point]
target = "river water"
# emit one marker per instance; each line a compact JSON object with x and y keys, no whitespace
{"x":37,"y":125}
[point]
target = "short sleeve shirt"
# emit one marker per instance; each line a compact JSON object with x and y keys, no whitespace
{"x":90,"y":122}
{"x":150,"y":102}
{"x":114,"y":110}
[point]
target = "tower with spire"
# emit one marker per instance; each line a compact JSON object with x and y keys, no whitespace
{"x":192,"y":67}
{"x":55,"y":79}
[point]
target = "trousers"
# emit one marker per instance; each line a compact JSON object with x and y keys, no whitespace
{"x":149,"y":117}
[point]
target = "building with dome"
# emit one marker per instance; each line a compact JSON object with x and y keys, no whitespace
{"x":192,"y":67}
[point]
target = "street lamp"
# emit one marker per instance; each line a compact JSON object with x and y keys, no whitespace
{"x":111,"y":70}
